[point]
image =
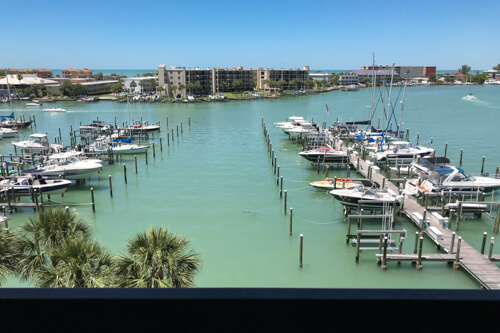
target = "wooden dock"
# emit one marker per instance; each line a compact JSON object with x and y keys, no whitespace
{"x":477,"y":264}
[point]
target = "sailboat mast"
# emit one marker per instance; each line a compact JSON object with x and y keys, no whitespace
{"x":374,"y":84}
{"x":402,"y":107}
{"x":390,"y":93}
{"x":8,"y":88}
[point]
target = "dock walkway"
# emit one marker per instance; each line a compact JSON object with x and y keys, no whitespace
{"x":478,"y":265}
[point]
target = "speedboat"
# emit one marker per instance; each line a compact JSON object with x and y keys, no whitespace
{"x":66,"y":166}
{"x":38,"y":143}
{"x":368,"y":198}
{"x":103,"y":145}
{"x":33,"y":104}
{"x":23,"y":185}
{"x":451,"y":179}
{"x":138,"y":126}
{"x":55,"y":109}
{"x":8,"y":132}
{"x":325,"y":154}
{"x":330,"y":184}
{"x":400,"y":152}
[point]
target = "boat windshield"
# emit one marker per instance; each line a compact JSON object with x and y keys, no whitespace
{"x":462,"y":177}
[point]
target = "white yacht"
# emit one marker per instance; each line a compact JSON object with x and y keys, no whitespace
{"x":492,"y":82}
{"x":451,"y":179}
{"x":66,"y":165}
{"x":401,"y":152}
{"x":368,"y":198}
{"x":102,"y":145}
{"x":24,"y":185}
{"x":38,"y":143}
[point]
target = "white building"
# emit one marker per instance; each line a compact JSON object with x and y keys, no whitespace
{"x":320,"y":76}
{"x":139,"y":88}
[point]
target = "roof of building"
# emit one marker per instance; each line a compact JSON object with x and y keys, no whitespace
{"x":368,"y":72}
{"x":26,"y":79}
{"x":320,"y":72}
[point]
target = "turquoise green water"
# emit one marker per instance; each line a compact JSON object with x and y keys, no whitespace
{"x":215,"y":185}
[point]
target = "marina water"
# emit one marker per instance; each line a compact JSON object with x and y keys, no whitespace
{"x":215,"y":185}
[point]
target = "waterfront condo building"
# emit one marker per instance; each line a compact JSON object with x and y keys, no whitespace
{"x":70,"y":73}
{"x":408,"y":72}
{"x":180,"y":81}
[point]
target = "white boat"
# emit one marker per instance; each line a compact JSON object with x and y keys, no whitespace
{"x":138,"y":126}
{"x":325,"y":154}
{"x":67,"y":166}
{"x":54,"y":109}
{"x":451,"y":179}
{"x":24,"y":185}
{"x":103,"y":145}
{"x":492,"y":82}
{"x":401,"y":152}
{"x":330,"y":184}
{"x":33,"y":104}
{"x":8,"y":132}
{"x":38,"y":143}
{"x":370,"y":198}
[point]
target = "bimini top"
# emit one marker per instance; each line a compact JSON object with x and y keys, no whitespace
{"x":436,"y":160}
{"x":447,"y":170}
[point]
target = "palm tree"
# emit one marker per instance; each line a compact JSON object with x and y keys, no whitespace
{"x":133,"y":85}
{"x":8,"y":257}
{"x":40,"y":238}
{"x":159,"y":89}
{"x":158,"y":259}
{"x":174,"y":89}
{"x":181,"y":87}
{"x":78,"y":263}
{"x":141,"y":83}
{"x":224,"y":85}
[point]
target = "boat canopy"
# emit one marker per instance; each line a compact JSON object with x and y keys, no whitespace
{"x":447,"y":170}
{"x":437,"y":160}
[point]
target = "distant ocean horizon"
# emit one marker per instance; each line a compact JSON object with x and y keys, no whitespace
{"x":139,"y":72}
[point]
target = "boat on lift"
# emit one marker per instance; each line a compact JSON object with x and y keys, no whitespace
{"x":326,"y":154}
{"x":38,"y":143}
{"x":25,"y":184}
{"x":338,"y":183}
{"x":367,"y":198}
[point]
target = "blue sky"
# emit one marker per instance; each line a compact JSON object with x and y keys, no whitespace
{"x":321,"y":34}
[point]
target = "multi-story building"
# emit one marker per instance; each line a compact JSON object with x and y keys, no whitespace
{"x":320,"y":76}
{"x":215,"y":80}
{"x":381,"y":74}
{"x":70,"y":73}
{"x":142,"y":84}
{"x":348,"y":79}
{"x":43,"y":73}
{"x":263,"y":75}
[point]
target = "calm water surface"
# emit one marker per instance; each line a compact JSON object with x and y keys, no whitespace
{"x":215,"y":185}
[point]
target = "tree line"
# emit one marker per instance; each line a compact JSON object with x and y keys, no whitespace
{"x":56,"y":249}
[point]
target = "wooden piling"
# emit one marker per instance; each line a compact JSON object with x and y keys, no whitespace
{"x":456,"y":264}
{"x":419,"y":258}
{"x":492,"y":242}
{"x":461,"y":154}
{"x":453,"y":234}
{"x":125,"y":172}
{"x":93,"y":203}
{"x":291,"y":214}
{"x":135,"y":157}
{"x":281,"y":186}
{"x":301,"y":249}
{"x":110,"y":187}
{"x":483,"y":244}
{"x":161,"y":146}
{"x":497,"y":221}
{"x":416,"y":242}
{"x":154,"y":151}
{"x":445,"y":149}
{"x":348,"y":230}
{"x":285,"y":203}
{"x":189,"y":121}
{"x":482,"y":166}
{"x":384,"y":257}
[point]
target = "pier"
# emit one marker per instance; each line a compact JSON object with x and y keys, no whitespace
{"x":478,"y":265}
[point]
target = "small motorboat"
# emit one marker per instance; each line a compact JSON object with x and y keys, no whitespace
{"x":33,"y":104}
{"x":367,"y":198}
{"x":330,"y":184}
{"x":55,"y":109}
{"x":24,"y":185}
{"x":325,"y":154}
{"x":66,"y":165}
{"x":103,"y":145}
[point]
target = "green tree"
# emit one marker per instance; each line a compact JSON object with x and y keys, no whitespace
{"x":497,"y":67}
{"x":153,"y":84}
{"x":464,"y":69}
{"x":479,"y":78}
{"x":160,"y":89}
{"x":281,"y":85}
{"x":174,"y":89}
{"x":224,"y":85}
{"x":181,"y":88}
{"x":141,"y":84}
{"x":77,"y":263}
{"x":157,"y":259}
{"x":448,"y":79}
{"x":236,"y":84}
{"x":432,"y":77}
{"x":133,"y":85}
{"x":66,"y":88}
{"x":116,"y":88}
{"x":9,"y":258}
{"x":39,"y":239}
{"x":19,"y":76}
{"x":189,"y":87}
{"x":99,"y":76}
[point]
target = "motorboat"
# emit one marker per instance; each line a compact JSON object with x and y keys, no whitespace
{"x":55,"y":109}
{"x":338,"y":183}
{"x":33,"y":104}
{"x":38,"y":143}
{"x":10,"y":122}
{"x":142,"y":126}
{"x":368,"y":198}
{"x":451,"y":178}
{"x":67,"y":166}
{"x":8,"y":132}
{"x":103,"y":145}
{"x":24,"y":185}
{"x":98,"y":126}
{"x":400,"y":152}
{"x":325,"y":154}
{"x":492,"y":82}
